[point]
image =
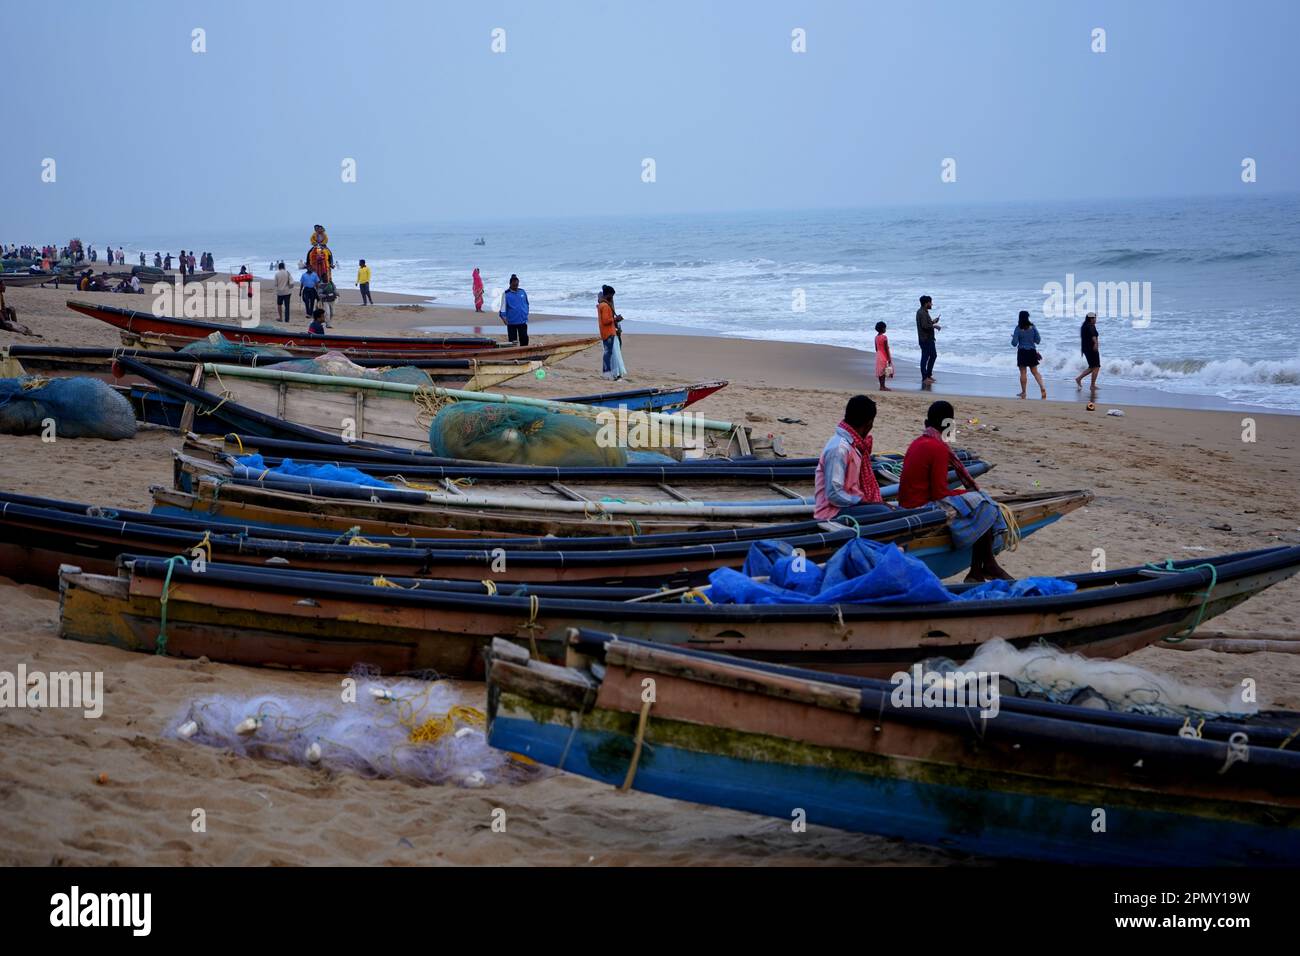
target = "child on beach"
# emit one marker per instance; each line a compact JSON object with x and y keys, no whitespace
{"x":884,"y":360}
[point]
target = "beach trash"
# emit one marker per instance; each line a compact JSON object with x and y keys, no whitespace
{"x":1118,"y":413}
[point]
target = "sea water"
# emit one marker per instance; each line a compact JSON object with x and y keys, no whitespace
{"x":1215,"y":308}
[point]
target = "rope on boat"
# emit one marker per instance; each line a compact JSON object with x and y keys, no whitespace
{"x":205,"y":544}
{"x":383,"y":582}
{"x":490,"y":586}
{"x":237,"y":439}
{"x":1168,"y":568}
{"x":429,"y":403}
{"x":852,"y":522}
{"x":646,"y":704}
{"x":1010,"y":537}
{"x":689,"y":597}
{"x":160,"y":646}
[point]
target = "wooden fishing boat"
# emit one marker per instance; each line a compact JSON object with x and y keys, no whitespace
{"x":1023,"y":785}
{"x":694,"y":494}
{"x":149,"y":277}
{"x":326,"y":621}
{"x":397,"y":414}
{"x":666,"y":398}
{"x":36,"y":539}
{"x":15,"y":280}
{"x":549,"y":351}
{"x":313,"y":408}
{"x":143,"y":323}
{"x":467,"y":374}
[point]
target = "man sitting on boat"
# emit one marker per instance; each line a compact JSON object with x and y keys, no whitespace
{"x":974,"y":518}
{"x":846,"y":482}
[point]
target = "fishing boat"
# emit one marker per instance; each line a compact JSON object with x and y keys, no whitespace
{"x":469,"y":374}
{"x":299,"y":406}
{"x":666,"y":398}
{"x":550,"y":351}
{"x":15,"y":280}
{"x":1025,"y":784}
{"x":37,"y":538}
{"x":330,"y":621}
{"x":148,"y":276}
{"x":144,"y":323}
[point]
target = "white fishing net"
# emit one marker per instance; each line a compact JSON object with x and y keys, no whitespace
{"x":412,"y":729}
{"x":1050,"y":673}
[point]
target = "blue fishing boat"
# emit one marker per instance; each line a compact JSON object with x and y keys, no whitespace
{"x":1036,"y":781}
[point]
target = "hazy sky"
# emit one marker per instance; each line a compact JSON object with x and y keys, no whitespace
{"x":151,"y":137}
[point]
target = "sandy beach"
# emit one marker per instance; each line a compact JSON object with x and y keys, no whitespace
{"x":1169,"y":482}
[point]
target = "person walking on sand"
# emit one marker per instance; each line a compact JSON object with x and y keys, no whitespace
{"x":974,"y":518}
{"x":1025,"y":338}
{"x":846,"y":480}
{"x":884,"y":360}
{"x":283,"y":292}
{"x":610,"y":322}
{"x":926,"y":326}
{"x":308,"y":282}
{"x":1088,"y":345}
{"x":514,"y":312}
{"x":363,"y":280}
{"x":477,"y":285}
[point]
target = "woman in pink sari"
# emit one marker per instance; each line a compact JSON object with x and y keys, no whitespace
{"x":478,"y":292}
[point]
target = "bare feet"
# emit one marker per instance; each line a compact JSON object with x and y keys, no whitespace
{"x":885,"y":388}
{"x":1020,"y":395}
{"x":1044,"y":393}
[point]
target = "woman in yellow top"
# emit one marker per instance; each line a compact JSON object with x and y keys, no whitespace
{"x":363,"y":280}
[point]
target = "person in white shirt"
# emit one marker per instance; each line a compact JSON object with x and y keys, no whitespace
{"x":283,"y":292}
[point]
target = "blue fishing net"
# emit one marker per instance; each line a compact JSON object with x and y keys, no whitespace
{"x":79,"y":408}
{"x":860,"y":572}
{"x":256,"y":465}
{"x":335,"y":364}
{"x":520,"y":435}
{"x":216,"y":342}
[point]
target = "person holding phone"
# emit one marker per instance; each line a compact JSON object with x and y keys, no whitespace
{"x":926,"y":326}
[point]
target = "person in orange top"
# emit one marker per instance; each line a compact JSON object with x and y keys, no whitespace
{"x":612,"y":362}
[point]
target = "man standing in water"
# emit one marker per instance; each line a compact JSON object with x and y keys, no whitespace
{"x":514,"y":312}
{"x":925,"y":329}
{"x":1091,"y":353}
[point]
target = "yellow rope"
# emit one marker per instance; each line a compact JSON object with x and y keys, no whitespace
{"x":490,"y":587}
{"x":206,"y":544}
{"x":383,"y":582}
{"x":1011,"y":537}
{"x":356,"y":541}
{"x":237,"y":439}
{"x":429,"y":403}
{"x":640,"y":740}
{"x":696,"y":593}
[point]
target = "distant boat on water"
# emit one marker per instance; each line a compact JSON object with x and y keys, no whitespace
{"x":480,"y":241}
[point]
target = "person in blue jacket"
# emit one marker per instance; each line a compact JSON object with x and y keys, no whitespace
{"x":1025,"y":338}
{"x":514,"y":312}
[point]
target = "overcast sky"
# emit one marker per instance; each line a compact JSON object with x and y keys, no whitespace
{"x":148,"y":136}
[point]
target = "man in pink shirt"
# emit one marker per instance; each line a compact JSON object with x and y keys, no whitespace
{"x":845,"y":479}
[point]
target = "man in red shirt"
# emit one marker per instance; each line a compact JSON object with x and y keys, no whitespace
{"x":974,"y":517}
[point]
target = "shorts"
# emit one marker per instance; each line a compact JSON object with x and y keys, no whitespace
{"x":1026,"y":358}
{"x":1092,"y":357}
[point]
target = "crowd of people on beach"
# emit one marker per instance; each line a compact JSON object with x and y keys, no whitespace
{"x":1025,"y":339}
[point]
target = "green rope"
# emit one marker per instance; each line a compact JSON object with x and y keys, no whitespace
{"x":851,"y":522}
{"x":348,"y":535}
{"x":161,"y":646}
{"x":1168,"y":568}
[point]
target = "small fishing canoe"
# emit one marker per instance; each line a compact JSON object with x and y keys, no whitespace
{"x":145,"y":323}
{"x":15,"y":280}
{"x":328,"y":621}
{"x":1026,"y":784}
{"x":666,"y":398}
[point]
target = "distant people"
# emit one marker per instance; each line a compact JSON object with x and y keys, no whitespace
{"x":514,"y":312}
{"x":884,"y":360}
{"x":317,"y":326}
{"x":846,"y":480}
{"x":167,"y":263}
{"x":308,"y":282}
{"x":363,"y":281}
{"x":182,"y":263}
{"x":157,"y":261}
{"x":135,"y":284}
{"x":926,"y":326}
{"x":610,"y":325}
{"x":973,"y":517}
{"x":283,"y":292}
{"x":478,"y":291}
{"x":1089,"y":346}
{"x":1025,"y":338}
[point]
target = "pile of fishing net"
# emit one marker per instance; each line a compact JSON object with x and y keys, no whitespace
{"x":339,"y":365}
{"x":405,"y":728}
{"x":78,"y":407}
{"x":1048,"y":673}
{"x":256,"y":467}
{"x":217,"y":342}
{"x":520,"y":435}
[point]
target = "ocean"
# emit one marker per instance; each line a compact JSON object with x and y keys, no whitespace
{"x":1212,"y":284}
